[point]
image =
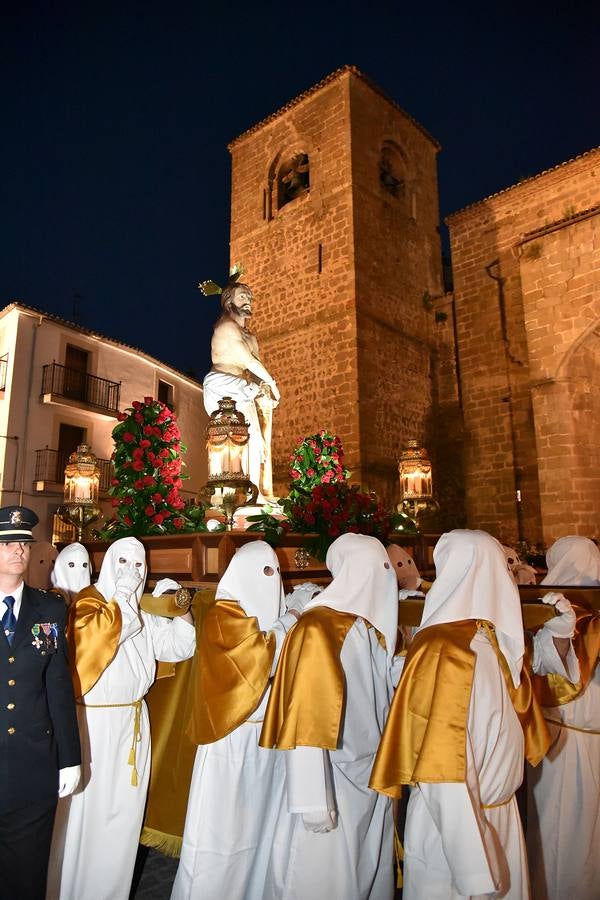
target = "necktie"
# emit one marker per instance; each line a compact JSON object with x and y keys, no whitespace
{"x":9,"y":621}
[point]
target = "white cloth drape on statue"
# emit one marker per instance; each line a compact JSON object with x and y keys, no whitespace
{"x":217,"y":385}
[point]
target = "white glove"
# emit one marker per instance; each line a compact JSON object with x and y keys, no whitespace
{"x":406,"y":592}
{"x":165,"y":584}
{"x":562,"y":625}
{"x":68,"y":779}
{"x":128,"y":581}
{"x":319,"y":821}
{"x":301,"y":595}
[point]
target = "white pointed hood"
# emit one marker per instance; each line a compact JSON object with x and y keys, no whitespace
{"x":573,"y":560}
{"x":364,"y":583}
{"x":247,"y":581}
{"x":41,"y":562}
{"x":404,"y":567}
{"x":72,"y":570}
{"x":473,"y":582}
{"x":128,"y":549}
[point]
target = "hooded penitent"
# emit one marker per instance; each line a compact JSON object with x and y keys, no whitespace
{"x":404,"y":567}
{"x":364,"y":584}
{"x":41,"y":562}
{"x":125,"y":550}
{"x":252,"y":579}
{"x":573,"y":560}
{"x":473,"y":582}
{"x":72,"y":570}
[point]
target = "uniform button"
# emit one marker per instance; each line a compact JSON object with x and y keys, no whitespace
{"x":11,"y":682}
{"x":11,"y":706}
{"x":11,"y":659}
{"x":11,"y":730}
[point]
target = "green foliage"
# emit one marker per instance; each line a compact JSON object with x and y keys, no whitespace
{"x":318,"y":459}
{"x":273,"y":529}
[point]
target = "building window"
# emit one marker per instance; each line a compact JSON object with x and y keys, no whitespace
{"x":3,"y":371}
{"x":165,"y":394}
{"x":76,"y":373}
{"x":392,"y":170}
{"x":293,"y":179}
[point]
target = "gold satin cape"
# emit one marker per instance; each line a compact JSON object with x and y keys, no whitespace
{"x":425,"y":736}
{"x":556,"y":690}
{"x":93,"y":632}
{"x":307,"y":696}
{"x":234,"y":661}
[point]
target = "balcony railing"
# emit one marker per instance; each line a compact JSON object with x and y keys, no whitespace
{"x":50,"y":467}
{"x":71,"y":384}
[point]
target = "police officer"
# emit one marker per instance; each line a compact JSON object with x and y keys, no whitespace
{"x":39,"y":739}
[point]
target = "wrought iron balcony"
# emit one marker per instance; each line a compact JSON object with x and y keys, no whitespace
{"x":50,"y":469}
{"x":63,"y":385}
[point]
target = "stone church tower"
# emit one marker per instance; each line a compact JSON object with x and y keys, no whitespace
{"x":334,"y":216}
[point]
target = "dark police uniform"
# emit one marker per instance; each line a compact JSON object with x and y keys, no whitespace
{"x":38,"y":736}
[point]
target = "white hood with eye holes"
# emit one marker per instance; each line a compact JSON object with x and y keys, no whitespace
{"x":364,"y":583}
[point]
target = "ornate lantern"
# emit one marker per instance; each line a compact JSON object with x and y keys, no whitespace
{"x":228,"y":486}
{"x":82,"y":484}
{"x":416,"y":487}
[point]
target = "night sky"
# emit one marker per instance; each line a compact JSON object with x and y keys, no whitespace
{"x":115,"y":174}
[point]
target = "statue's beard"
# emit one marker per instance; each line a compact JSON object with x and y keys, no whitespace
{"x":245,"y":311}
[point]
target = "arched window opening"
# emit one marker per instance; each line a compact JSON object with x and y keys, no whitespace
{"x":293,"y":179}
{"x":392,"y":177}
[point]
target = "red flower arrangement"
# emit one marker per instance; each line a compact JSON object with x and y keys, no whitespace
{"x":321,"y":503}
{"x":334,"y":509}
{"x":148,"y":477}
{"x":318,"y":459}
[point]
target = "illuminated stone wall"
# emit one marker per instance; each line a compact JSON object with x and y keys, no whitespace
{"x":529,"y":352}
{"x":342,"y":273}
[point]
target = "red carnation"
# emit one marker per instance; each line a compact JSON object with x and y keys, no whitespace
{"x":122,"y":416}
{"x":149,"y":510}
{"x":114,"y":481}
{"x":147,"y":400}
{"x":144,"y":443}
{"x":136,"y":404}
{"x":138,"y":466}
{"x":158,"y":519}
{"x":128,"y":437}
{"x":148,"y":430}
{"x":128,"y":520}
{"x":138,"y":484}
{"x":178,"y":522}
{"x":149,"y":481}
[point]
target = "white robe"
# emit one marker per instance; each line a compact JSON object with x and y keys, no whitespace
{"x":453,"y":848}
{"x":354,"y":861}
{"x":99,"y":826}
{"x":234,"y":797}
{"x":563,"y":833}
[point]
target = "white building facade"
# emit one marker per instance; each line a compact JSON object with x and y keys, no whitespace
{"x":62,"y":385}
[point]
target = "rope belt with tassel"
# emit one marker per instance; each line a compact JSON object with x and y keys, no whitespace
{"x":137,"y":729}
